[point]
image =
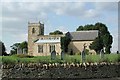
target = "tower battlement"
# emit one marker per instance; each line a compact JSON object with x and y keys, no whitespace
{"x":30,"y":24}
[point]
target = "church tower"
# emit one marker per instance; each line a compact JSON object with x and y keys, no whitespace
{"x":34,"y":31}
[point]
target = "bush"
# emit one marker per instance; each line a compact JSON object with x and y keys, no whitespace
{"x":25,"y":60}
{"x":87,"y":51}
{"x":24,"y":56}
{"x":89,"y":60}
{"x":76,"y":61}
{"x":112,"y":57}
{"x":106,"y":59}
{"x":79,"y":53}
{"x":9,"y":60}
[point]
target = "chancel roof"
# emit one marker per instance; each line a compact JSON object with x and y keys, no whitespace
{"x":83,"y":35}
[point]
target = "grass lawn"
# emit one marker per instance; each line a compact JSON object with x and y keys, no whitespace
{"x":67,"y":58}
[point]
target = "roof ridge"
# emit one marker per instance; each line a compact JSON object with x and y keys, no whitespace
{"x":85,"y":31}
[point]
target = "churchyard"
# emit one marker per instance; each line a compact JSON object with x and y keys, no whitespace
{"x":69,"y":66}
{"x":21,"y":58}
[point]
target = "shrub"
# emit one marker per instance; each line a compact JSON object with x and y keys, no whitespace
{"x":24,"y":60}
{"x":79,"y":53}
{"x":106,"y":59}
{"x":87,"y":51}
{"x":9,"y":60}
{"x":89,"y":60}
{"x":76,"y":61}
{"x":113,"y":57}
{"x":24,"y":56}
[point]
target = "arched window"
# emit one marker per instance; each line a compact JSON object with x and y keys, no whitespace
{"x":33,"y":30}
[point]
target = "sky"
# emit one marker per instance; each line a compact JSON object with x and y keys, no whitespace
{"x":63,"y":16}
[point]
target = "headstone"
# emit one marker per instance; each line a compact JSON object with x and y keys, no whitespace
{"x":117,"y":52}
{"x":62,"y":55}
{"x":83,"y":54}
{"x":19,"y":51}
{"x":102,"y":54}
{"x":71,"y":52}
{"x":53,"y":55}
{"x":24,"y":51}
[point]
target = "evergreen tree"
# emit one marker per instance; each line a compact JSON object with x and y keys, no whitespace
{"x":22,"y":45}
{"x":107,"y":41}
{"x":57,"y":32}
{"x":97,"y":45}
{"x":14,"y":48}
{"x":104,"y":38}
{"x":2,"y":49}
{"x":64,"y":43}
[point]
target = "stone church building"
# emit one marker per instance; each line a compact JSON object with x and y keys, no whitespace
{"x":42,"y":45}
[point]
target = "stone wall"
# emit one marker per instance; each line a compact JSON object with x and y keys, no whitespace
{"x":55,"y":70}
{"x":38,"y":30}
{"x":77,"y":46}
{"x":46,"y":49}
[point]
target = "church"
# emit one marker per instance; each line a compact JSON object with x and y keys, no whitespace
{"x":42,"y":45}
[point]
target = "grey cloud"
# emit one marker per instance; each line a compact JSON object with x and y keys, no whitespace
{"x":20,"y":13}
{"x":16,"y":14}
{"x":29,"y":9}
{"x":107,"y":6}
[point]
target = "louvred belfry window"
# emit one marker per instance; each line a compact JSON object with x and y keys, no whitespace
{"x":33,"y":30}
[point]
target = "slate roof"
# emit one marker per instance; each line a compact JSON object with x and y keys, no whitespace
{"x":48,"y":41}
{"x":83,"y":35}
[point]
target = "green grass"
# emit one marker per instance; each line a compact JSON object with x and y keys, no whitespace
{"x":67,"y":59}
{"x":93,"y":58}
{"x":112,"y":57}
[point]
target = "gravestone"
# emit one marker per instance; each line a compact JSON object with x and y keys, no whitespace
{"x":83,"y":54}
{"x":117,"y":52}
{"x":71,"y":52}
{"x":53,"y":55}
{"x":24,"y":51}
{"x":62,"y":55}
{"x":19,"y":50}
{"x":102,"y":54}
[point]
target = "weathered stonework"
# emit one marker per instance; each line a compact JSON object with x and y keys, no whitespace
{"x":35,"y":33}
{"x":37,"y":70}
{"x":38,"y":30}
{"x":77,"y":46}
{"x":40,"y":44}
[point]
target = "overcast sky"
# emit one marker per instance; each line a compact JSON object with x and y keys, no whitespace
{"x":63,"y":16}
